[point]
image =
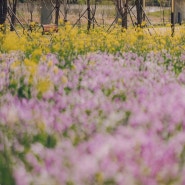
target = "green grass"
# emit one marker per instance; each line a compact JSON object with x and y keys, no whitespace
{"x":158,"y":14}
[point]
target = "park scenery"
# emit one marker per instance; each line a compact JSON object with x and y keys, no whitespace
{"x":102,"y":105}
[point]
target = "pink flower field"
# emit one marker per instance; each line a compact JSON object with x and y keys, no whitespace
{"x":105,"y":120}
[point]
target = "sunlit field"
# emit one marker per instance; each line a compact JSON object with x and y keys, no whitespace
{"x":94,"y":107}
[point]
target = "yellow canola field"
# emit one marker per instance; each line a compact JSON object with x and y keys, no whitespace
{"x":69,"y":42}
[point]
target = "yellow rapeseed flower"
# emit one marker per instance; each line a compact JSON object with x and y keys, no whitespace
{"x":36,"y":54}
{"x":43,"y":85}
{"x":11,"y":42}
{"x":31,"y":67}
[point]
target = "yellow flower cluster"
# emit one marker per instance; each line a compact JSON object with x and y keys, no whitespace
{"x":69,"y":41}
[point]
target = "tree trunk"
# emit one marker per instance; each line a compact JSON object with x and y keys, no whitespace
{"x":31,"y":6}
{"x":139,"y":10}
{"x":88,"y":15}
{"x":3,"y":11}
{"x":122,"y":11}
{"x":57,"y":11}
{"x":65,"y":10}
{"x":46,"y":12}
{"x":13,"y":15}
{"x":124,"y":15}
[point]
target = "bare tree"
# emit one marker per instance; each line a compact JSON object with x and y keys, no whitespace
{"x":139,"y":9}
{"x":93,"y":20}
{"x":57,"y":11}
{"x":12,"y":12}
{"x":66,"y":9}
{"x":102,"y":15}
{"x":91,"y":11}
{"x":88,"y":14}
{"x":3,"y":11}
{"x":122,"y":10}
{"x":31,"y":7}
